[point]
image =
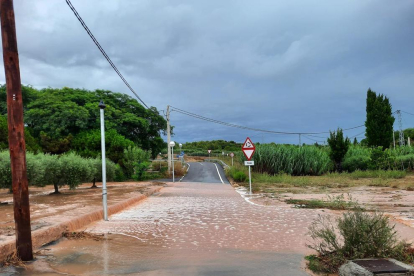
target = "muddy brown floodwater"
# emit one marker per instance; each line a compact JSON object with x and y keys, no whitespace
{"x":188,"y":229}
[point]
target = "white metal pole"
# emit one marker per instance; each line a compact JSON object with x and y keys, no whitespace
{"x":104,"y":192}
{"x":250,"y":181}
{"x":172,"y":159}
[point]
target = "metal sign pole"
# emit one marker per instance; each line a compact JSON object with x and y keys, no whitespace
{"x":250,"y":181}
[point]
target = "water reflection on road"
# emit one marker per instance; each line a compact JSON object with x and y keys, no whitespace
{"x":122,"y":255}
{"x":191,"y":229}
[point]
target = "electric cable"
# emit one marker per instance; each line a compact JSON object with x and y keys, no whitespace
{"x":407,"y":112}
{"x":103,"y":51}
{"x":249,"y":128}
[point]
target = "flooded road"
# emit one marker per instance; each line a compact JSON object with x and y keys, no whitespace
{"x":191,"y":229}
{"x":188,"y":228}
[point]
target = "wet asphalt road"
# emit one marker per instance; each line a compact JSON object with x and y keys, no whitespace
{"x":205,"y":172}
{"x":191,"y":228}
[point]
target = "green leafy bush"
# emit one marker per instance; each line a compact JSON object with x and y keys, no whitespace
{"x":356,"y":235}
{"x":75,"y":170}
{"x":35,"y":169}
{"x":139,"y":170}
{"x":134,"y":161}
{"x":354,"y":163}
{"x":381,"y":159}
{"x":96,"y":167}
{"x":5,"y":170}
{"x":239,"y":176}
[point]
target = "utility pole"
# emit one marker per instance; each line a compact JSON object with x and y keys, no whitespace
{"x":168,"y":138}
{"x":300,"y":140}
{"x":17,"y":145}
{"x":402,"y":140}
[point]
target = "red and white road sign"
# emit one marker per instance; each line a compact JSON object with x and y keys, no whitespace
{"x":232,"y":154}
{"x":209,"y":151}
{"x":248,"y":148}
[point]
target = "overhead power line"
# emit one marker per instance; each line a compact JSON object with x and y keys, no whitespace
{"x":355,"y":136}
{"x":103,"y":51}
{"x":249,"y":128}
{"x":407,"y":113}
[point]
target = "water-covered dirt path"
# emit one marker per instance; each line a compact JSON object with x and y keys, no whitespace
{"x":192,"y":229}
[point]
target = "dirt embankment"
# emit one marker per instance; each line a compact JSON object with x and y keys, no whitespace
{"x":52,"y":214}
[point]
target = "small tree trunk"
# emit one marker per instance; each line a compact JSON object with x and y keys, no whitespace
{"x":56,"y":189}
{"x":94,"y":184}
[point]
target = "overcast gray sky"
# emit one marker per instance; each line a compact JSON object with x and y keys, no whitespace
{"x":296,"y":66}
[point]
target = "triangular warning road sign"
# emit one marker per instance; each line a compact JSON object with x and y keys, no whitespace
{"x":248,"y":148}
{"x":248,"y":144}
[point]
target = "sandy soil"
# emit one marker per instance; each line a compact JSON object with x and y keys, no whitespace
{"x":48,"y":209}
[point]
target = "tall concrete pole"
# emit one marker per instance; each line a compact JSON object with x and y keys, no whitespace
{"x":17,"y":145}
{"x":168,"y":138}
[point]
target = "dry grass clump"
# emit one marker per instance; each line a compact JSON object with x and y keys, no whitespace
{"x":82,"y":236}
{"x":13,"y":260}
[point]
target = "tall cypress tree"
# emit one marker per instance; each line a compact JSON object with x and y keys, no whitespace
{"x":379,"y":123}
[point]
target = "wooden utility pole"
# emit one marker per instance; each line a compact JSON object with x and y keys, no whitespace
{"x":17,"y":145}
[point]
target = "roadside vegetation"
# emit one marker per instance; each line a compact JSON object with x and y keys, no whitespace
{"x":338,"y":202}
{"x":354,"y":235}
{"x":63,"y":138}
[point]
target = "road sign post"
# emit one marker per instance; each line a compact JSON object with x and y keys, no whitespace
{"x":232,"y":155}
{"x":209,"y":151}
{"x":248,"y":151}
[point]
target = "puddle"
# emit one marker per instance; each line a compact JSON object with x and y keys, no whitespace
{"x":123,"y":255}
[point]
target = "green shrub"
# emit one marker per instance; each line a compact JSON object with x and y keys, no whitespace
{"x":133,"y":156}
{"x":35,"y":169}
{"x":96,"y":169}
{"x":354,"y":163}
{"x":239,"y":176}
{"x":75,"y":170}
{"x":119,"y":174}
{"x":405,"y":162}
{"x":381,"y":159}
{"x":356,"y":235}
{"x":5,"y":170}
{"x":139,"y":170}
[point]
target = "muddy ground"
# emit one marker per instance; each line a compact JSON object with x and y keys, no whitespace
{"x":48,"y":209}
{"x":394,"y":199}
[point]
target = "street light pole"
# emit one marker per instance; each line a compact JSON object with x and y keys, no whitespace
{"x":172,"y":144}
{"x":104,"y":193}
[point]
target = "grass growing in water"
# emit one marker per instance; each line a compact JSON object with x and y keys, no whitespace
{"x":332,"y":202}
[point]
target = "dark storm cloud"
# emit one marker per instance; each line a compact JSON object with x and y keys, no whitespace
{"x":279,"y":65}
